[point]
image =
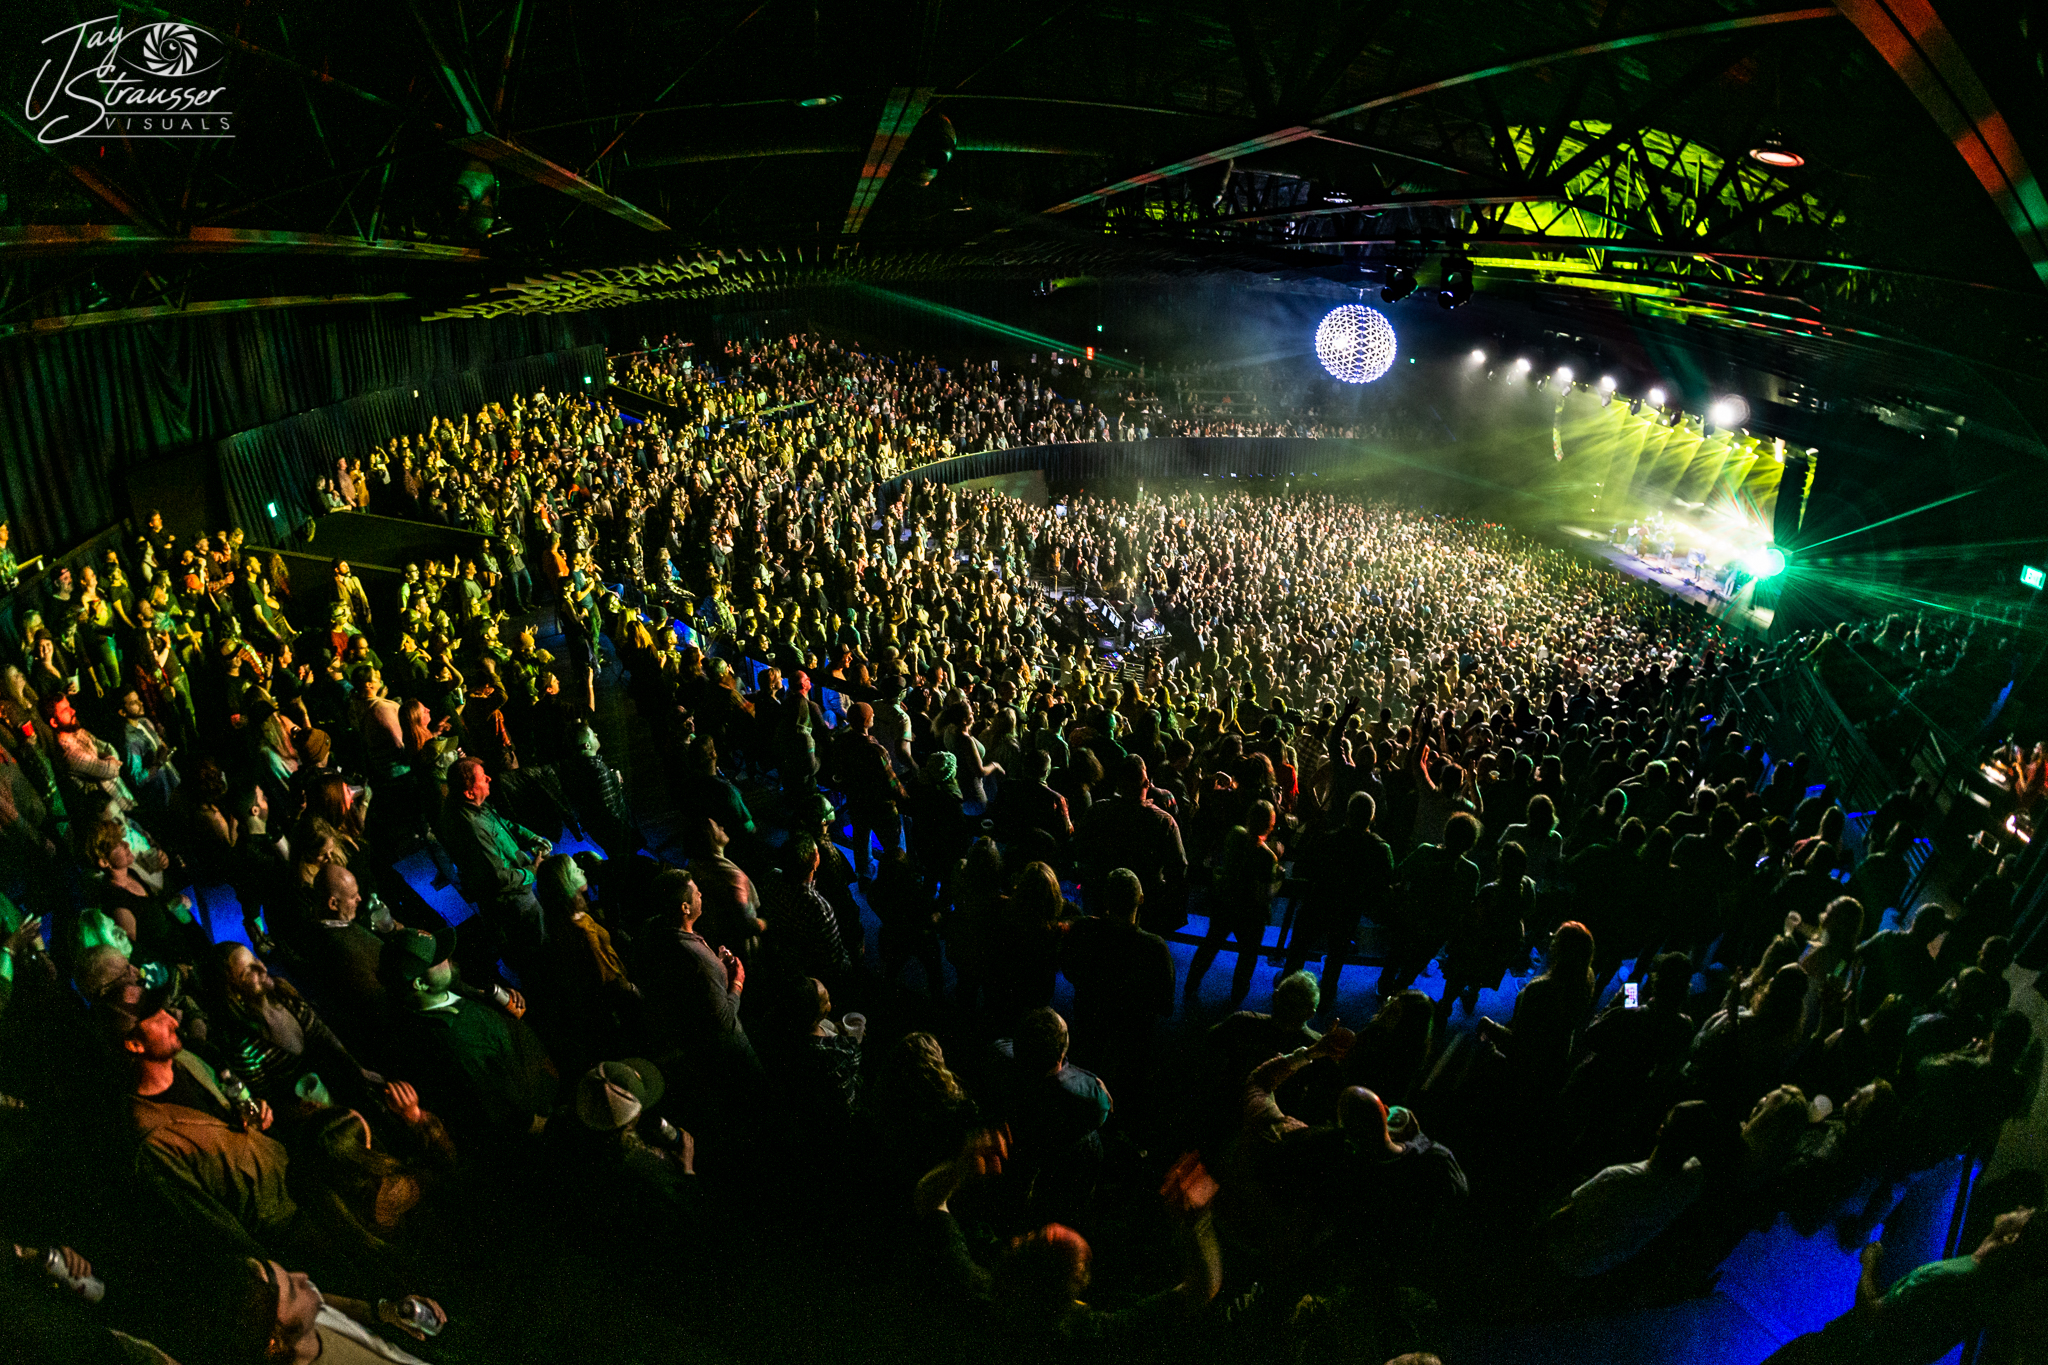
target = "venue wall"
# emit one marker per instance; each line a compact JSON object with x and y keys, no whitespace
{"x":1305,"y":461}
{"x":80,"y":409}
{"x":280,"y":464}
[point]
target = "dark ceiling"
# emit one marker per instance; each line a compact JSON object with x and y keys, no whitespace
{"x":1591,"y":159}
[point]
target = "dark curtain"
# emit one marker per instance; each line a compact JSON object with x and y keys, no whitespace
{"x":280,"y":465}
{"x":78,"y":410}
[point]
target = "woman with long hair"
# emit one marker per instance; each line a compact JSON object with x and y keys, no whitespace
{"x":1024,"y":945}
{"x":920,"y":1111}
{"x":333,"y":798}
{"x":956,"y":737}
{"x":1549,"y":1011}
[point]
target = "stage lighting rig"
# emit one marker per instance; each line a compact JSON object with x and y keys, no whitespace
{"x":1400,"y":284}
{"x":1656,"y":397}
{"x":1456,"y":289}
{"x":1477,"y":357}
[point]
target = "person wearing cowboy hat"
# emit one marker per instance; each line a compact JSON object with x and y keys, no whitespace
{"x":630,"y":1167}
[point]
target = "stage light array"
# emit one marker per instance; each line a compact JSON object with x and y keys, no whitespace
{"x":1355,"y":343}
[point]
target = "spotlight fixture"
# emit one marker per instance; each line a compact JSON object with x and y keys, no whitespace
{"x":1400,"y":284}
{"x":1522,"y":365}
{"x":1635,"y":406}
{"x":1728,"y":412}
{"x":1765,"y":561}
{"x":1607,"y":382}
{"x":1564,"y":374}
{"x":1477,"y":357}
{"x":1773,"y":152}
{"x":1456,"y":289}
{"x":1656,"y":397}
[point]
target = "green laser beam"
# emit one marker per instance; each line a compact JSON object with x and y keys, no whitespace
{"x":1914,"y":512}
{"x":987,"y":324}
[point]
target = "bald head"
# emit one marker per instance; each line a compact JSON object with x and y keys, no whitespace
{"x":335,"y":889}
{"x":1363,"y":1117}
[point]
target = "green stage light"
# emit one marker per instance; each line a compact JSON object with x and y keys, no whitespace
{"x":1766,"y":561}
{"x":2033,"y":577}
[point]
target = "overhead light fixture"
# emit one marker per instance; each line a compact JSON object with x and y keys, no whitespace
{"x":1656,"y":397}
{"x":817,"y":101}
{"x":1607,"y":382}
{"x":1564,"y":374}
{"x":1400,"y":284}
{"x":1773,"y":152}
{"x":1477,"y":357}
{"x":1456,"y":289}
{"x":1728,"y":412}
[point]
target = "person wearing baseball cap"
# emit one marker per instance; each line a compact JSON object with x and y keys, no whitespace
{"x":211,"y":1159}
{"x":481,"y":1068}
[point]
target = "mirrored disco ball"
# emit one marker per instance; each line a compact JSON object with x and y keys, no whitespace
{"x":1355,"y":343}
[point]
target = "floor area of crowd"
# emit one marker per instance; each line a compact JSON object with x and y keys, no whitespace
{"x":1745,"y":1315}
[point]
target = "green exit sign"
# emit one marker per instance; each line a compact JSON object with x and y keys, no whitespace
{"x":2033,"y":577}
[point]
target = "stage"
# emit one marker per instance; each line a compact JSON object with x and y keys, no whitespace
{"x":1738,"y":611}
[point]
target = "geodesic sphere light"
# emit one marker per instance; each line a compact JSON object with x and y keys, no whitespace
{"x":1355,"y":343}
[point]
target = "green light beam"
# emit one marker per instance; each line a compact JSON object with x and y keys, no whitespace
{"x":1925,"y":507}
{"x":991,"y":325}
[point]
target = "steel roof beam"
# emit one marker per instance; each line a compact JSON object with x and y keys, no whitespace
{"x":900,"y":112}
{"x":1282,"y":137}
{"x":1911,"y":37}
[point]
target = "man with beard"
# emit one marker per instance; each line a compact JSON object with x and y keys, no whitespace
{"x":87,"y":760}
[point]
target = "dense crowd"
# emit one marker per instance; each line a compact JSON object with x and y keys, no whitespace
{"x":907,"y":413}
{"x":1028,"y":742}
{"x":1239,"y":398}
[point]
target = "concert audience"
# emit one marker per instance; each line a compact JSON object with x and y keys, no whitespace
{"x":1029,"y":742}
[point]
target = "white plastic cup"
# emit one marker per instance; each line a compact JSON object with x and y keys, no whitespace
{"x":856,"y":1026}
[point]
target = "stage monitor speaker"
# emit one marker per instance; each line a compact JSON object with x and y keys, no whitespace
{"x":1789,"y":512}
